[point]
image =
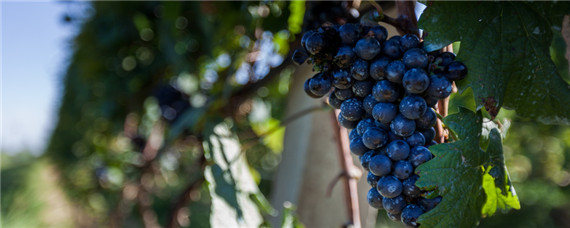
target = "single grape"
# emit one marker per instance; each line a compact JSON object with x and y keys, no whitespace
{"x":380,"y":165}
{"x":415,"y":81}
{"x":430,"y":101}
{"x":403,"y":169}
{"x":359,"y":69}
{"x":409,"y":187}
{"x":306,"y":37}
{"x":346,"y":123}
{"x":415,"y":58}
{"x":395,"y":71}
{"x":378,"y":68}
{"x":307,"y":89}
{"x":368,"y":103}
{"x":419,"y":155}
{"x":394,"y":205}
{"x":439,"y":87}
{"x":429,"y":204}
{"x":299,"y":57}
{"x":384,"y":112}
{"x":386,"y":91}
{"x":334,"y":102}
{"x":416,"y":139}
{"x":374,"y":198}
{"x":456,"y":71}
{"x":352,"y":109}
{"x":398,"y":150}
{"x":403,"y":126}
{"x":364,"y":124}
{"x":353,"y":134}
{"x":372,"y":179}
{"x":365,"y":159}
{"x":341,"y":79}
{"x":348,"y":33}
{"x":409,"y":41}
{"x":380,"y":33}
{"x":391,"y":48}
{"x":412,"y":107}
{"x":357,"y":147}
{"x":344,"y":57}
{"x":367,"y":48}
{"x":343,"y":94}
{"x":429,"y":134}
{"x":410,"y":215}
{"x":320,"y":84}
{"x":362,"y":88}
{"x":315,"y":43}
{"x":427,"y":120}
{"x":374,"y":138}
{"x":389,"y":187}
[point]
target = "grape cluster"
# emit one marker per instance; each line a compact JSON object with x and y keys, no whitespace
{"x":386,"y":90}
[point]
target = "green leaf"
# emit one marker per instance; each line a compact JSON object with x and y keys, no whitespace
{"x":230,"y":182}
{"x":496,"y":182}
{"x":506,"y":48}
{"x":461,"y":171}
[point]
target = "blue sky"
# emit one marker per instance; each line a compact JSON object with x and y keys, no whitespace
{"x":34,"y":48}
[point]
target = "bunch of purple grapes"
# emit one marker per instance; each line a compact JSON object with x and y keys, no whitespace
{"x":386,"y":90}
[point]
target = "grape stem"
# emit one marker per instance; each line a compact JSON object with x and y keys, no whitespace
{"x":347,"y":165}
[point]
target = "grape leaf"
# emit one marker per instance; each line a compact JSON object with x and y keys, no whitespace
{"x":458,"y":172}
{"x":506,"y":48}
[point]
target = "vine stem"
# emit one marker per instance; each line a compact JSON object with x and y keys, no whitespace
{"x":350,"y":184}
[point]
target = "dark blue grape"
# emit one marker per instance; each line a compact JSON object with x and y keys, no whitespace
{"x":357,"y":147}
{"x":429,"y":134}
{"x":394,"y":217}
{"x":409,"y":41}
{"x":403,"y":126}
{"x":394,"y":205}
{"x":439,"y":87}
{"x":395,"y":71}
{"x":386,"y":91}
{"x":419,"y":155}
{"x":352,"y":109}
{"x":391,"y":48}
{"x":372,"y":179}
{"x":427,"y":120}
{"x":430,"y":101}
{"x":359,"y":69}
{"x":380,"y":33}
{"x":368,"y":103}
{"x":456,"y":71}
{"x":348,"y":33}
{"x":374,"y":198}
{"x":389,"y":187}
{"x":398,"y":150}
{"x":380,"y":165}
{"x":415,"y":58}
{"x":364,"y":124}
{"x":367,"y":48}
{"x":320,"y":84}
{"x":344,"y":57}
{"x":342,"y":79}
{"x":409,"y":187}
{"x":378,"y":68}
{"x":403,"y":169}
{"x":365,"y":159}
{"x":362,"y":88}
{"x":306,"y":37}
{"x":343,"y":94}
{"x":374,"y":138}
{"x":385,"y":112}
{"x":346,"y":123}
{"x":412,"y":107}
{"x":334,"y":102}
{"x":315,"y":43}
{"x":410,"y":215}
{"x":429,"y":204}
{"x":353,"y":134}
{"x":307,"y":89}
{"x":416,"y":139}
{"x":442,"y":60}
{"x":415,"y":81}
{"x":299,"y":57}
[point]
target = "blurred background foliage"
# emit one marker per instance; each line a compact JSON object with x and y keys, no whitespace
{"x":146,"y":84}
